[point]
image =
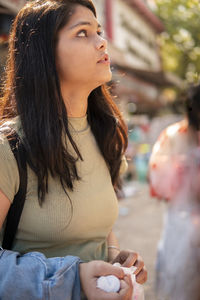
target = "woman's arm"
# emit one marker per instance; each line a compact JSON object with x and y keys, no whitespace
{"x":59,"y":278}
{"x":32,"y":276}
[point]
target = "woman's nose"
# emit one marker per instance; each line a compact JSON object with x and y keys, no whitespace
{"x":101,"y":43}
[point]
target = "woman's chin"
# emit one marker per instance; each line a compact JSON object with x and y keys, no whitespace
{"x":106,"y":79}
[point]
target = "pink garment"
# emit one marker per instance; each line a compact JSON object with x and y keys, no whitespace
{"x":175,"y":164}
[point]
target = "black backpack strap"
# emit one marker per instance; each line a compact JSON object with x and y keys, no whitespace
{"x":15,"y":211}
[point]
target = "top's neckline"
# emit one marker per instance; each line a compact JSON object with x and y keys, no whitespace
{"x":78,"y":124}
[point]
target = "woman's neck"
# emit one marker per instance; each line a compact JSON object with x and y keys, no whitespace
{"x":76,"y":101}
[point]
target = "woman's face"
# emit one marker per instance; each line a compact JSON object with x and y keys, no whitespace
{"x":81,"y":53}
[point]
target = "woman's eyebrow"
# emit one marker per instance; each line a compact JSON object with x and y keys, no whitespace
{"x":84,"y":23}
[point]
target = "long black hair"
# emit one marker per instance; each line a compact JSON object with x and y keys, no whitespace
{"x":32,"y":91}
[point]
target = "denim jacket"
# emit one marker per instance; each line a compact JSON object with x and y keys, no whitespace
{"x":32,"y":276}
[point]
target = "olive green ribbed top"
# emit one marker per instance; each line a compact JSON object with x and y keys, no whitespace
{"x":54,"y":229}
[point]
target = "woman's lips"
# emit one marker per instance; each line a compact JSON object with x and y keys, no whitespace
{"x":104,"y":60}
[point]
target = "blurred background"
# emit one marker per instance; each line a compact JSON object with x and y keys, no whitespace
{"x":155,"y":55}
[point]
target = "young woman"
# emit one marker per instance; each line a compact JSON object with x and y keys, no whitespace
{"x":74,"y":137}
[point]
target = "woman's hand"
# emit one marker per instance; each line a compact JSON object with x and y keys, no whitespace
{"x":128,"y":258}
{"x":89,"y":272}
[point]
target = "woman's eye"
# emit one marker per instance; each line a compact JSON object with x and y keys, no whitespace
{"x":82,"y":33}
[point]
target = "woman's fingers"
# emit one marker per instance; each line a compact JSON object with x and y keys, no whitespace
{"x":141,"y":277}
{"x":126,"y":258}
{"x":141,"y":271}
{"x":139,"y":264}
{"x":131,"y":258}
{"x":126,"y":289}
{"x":103,"y":269}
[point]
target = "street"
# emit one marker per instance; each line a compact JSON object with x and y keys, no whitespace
{"x":139,"y":227}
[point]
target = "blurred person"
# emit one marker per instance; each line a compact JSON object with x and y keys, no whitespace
{"x":56,"y":100}
{"x":174,"y":176}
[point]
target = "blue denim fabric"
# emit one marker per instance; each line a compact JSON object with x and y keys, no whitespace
{"x":32,"y":276}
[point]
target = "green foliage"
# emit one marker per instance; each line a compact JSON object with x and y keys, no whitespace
{"x":180,"y":44}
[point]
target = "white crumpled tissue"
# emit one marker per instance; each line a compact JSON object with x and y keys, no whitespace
{"x":111,"y":283}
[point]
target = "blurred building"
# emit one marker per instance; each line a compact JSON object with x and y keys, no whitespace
{"x":132,"y":30}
